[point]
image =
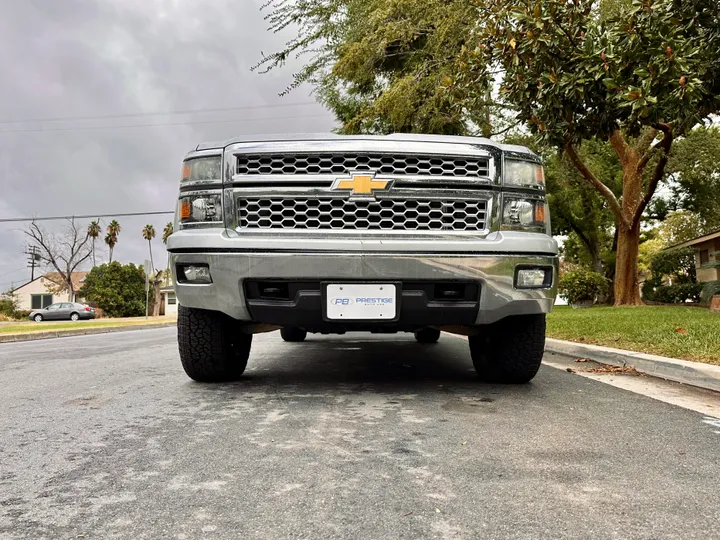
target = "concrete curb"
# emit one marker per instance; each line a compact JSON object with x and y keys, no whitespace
{"x":17,"y":338}
{"x":682,"y":371}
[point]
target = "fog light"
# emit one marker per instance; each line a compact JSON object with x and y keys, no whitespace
{"x":533,"y":278}
{"x":197,"y":274}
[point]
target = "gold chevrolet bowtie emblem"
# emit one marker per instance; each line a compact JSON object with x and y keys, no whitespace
{"x":361,"y":184}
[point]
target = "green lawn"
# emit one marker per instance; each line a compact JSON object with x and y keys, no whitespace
{"x":51,"y":326}
{"x":689,"y":333}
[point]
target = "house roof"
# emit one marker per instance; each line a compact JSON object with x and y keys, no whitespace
{"x":77,"y":278}
{"x":698,"y":240}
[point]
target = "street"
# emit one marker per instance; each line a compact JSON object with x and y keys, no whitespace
{"x":355,"y":436}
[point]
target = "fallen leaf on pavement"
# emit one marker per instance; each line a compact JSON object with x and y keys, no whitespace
{"x":583,"y":360}
{"x":630,"y":370}
{"x":408,"y":514}
{"x":437,"y":510}
{"x":570,"y":370}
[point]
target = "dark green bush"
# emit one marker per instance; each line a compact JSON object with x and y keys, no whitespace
{"x":673,"y":294}
{"x":119,"y":290}
{"x":582,"y":285}
{"x":709,"y":289}
{"x":22,"y":314}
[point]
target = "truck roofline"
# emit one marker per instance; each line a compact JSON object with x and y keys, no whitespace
{"x":406,"y":137}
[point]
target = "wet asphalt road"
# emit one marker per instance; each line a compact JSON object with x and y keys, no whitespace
{"x":356,"y":436}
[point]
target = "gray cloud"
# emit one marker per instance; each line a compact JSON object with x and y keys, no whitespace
{"x":100,"y":57}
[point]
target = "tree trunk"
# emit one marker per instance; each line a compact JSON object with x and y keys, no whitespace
{"x":157,"y":297}
{"x":152,"y":264}
{"x":627,"y":286}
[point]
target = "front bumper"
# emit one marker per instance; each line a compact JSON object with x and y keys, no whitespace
{"x":492,"y":270}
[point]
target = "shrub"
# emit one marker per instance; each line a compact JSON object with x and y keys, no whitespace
{"x":678,"y":263}
{"x":673,"y":294}
{"x":7,"y":307}
{"x":22,"y":313}
{"x":709,"y":289}
{"x":119,"y":290}
{"x":582,"y":285}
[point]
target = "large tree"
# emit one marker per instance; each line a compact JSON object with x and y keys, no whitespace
{"x":638,"y":78}
{"x":64,"y":252}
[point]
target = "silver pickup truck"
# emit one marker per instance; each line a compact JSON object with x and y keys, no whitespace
{"x":332,"y":234}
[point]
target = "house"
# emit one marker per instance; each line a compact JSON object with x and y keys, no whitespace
{"x":707,"y":255}
{"x":168,"y":303}
{"x":45,"y":290}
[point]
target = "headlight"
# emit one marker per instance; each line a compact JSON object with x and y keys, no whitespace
{"x":524,"y":214}
{"x":524,"y":174}
{"x":199,"y":208}
{"x":202,"y":168}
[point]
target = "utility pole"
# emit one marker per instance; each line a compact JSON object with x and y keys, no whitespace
{"x":33,"y":254}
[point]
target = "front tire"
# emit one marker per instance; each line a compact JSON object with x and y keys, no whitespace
{"x":509,"y":351}
{"x":427,"y":335}
{"x":212,"y":345}
{"x":38,"y":318}
{"x":292,"y":334}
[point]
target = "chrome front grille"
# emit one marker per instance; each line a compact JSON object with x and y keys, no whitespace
{"x":386,"y":214}
{"x":340,"y":164}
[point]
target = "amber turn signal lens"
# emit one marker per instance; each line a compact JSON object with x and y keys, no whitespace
{"x":540,"y":212}
{"x":185,"y":209}
{"x":539,"y":175}
{"x":187,"y":170}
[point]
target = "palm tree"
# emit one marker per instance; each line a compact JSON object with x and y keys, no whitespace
{"x":111,"y":239}
{"x":167,"y":231}
{"x":93,"y":232}
{"x":148,"y":234}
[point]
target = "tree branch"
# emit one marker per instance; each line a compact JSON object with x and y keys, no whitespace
{"x":617,"y":141}
{"x":605,"y":191}
{"x":664,"y":146}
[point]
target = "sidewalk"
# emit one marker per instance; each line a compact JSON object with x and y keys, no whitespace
{"x":682,"y":371}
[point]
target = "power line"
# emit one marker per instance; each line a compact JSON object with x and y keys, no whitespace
{"x":158,"y":113}
{"x":87,"y":216}
{"x":237,"y":121}
{"x":12,"y":272}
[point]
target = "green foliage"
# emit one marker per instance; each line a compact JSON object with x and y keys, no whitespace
{"x":678,"y":264}
{"x":572,"y":75}
{"x":678,"y":293}
{"x":681,"y":226}
{"x":582,"y":285}
{"x":119,"y":290}
{"x":694,"y":166}
{"x":710,"y":289}
{"x":7,"y":307}
{"x":382,"y":65}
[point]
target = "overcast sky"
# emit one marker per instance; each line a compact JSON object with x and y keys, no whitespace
{"x":93,"y":58}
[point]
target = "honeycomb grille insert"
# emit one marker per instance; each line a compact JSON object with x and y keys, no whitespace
{"x":361,"y":215}
{"x":338,"y":164}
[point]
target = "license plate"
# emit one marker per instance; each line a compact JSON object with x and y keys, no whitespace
{"x":361,"y":301}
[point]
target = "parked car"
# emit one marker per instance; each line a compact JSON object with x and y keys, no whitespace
{"x":71,"y":311}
